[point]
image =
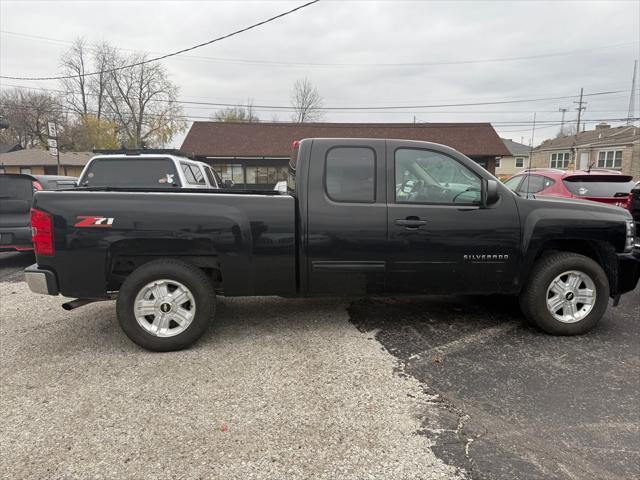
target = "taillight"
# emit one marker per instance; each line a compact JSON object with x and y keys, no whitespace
{"x":36,"y":186}
{"x":42,"y":233}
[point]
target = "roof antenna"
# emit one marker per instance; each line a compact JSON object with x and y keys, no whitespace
{"x":533,"y":133}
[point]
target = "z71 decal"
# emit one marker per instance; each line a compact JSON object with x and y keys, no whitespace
{"x":85,"y":221}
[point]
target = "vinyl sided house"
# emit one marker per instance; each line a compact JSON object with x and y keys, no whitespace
{"x":256,"y":155}
{"x":616,"y":148}
{"x":40,"y":162}
{"x":516,"y":161}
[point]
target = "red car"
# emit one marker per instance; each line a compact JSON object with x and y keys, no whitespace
{"x":606,"y":186}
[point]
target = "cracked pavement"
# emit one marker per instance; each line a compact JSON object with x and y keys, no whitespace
{"x":515,"y":402}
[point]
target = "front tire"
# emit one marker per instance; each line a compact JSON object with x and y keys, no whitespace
{"x":165,"y":305}
{"x":566,"y":294}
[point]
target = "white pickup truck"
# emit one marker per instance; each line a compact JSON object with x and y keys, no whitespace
{"x":147,"y":170}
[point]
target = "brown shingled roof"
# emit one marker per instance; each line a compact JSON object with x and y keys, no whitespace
{"x":596,"y":138}
{"x":32,"y":157}
{"x":275,"y":139}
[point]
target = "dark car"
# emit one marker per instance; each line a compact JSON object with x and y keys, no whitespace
{"x":16,"y":195}
{"x":634,"y":203}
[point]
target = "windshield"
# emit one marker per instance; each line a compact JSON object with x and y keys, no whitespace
{"x":130,"y":172}
{"x":600,"y":186}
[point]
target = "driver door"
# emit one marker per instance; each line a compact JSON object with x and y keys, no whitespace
{"x":438,"y":228}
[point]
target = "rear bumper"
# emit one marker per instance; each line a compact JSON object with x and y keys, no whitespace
{"x":628,"y":271}
{"x":15,"y":238}
{"x":41,"y":281}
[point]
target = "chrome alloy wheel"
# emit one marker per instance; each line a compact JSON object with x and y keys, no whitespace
{"x":571,"y":296}
{"x":164,"y":308}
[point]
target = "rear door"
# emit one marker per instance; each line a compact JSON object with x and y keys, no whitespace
{"x":440,"y":238}
{"x":347,"y":217}
{"x":16,"y":194}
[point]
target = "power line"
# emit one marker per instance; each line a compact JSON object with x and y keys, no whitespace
{"x":245,"y":61}
{"x":271,"y":108}
{"x":497,"y":124}
{"x":391,"y":107}
{"x":385,"y":107}
{"x":172,"y":54}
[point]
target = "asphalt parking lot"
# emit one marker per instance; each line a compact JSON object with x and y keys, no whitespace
{"x":371,"y":388}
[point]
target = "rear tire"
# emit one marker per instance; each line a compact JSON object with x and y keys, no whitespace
{"x":566,"y":294}
{"x":165,"y":305}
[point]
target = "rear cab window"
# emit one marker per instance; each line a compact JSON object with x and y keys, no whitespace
{"x":16,"y":193}
{"x":130,"y":172}
{"x":350,"y":174}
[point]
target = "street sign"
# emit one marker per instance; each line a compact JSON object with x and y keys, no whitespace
{"x":53,"y":151}
{"x":53,"y":143}
{"x":53,"y":132}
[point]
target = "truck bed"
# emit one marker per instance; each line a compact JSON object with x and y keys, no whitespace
{"x":250,"y":237}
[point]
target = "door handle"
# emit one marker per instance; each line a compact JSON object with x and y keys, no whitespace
{"x":410,"y":222}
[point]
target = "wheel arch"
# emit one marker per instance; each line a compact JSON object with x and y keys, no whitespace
{"x":126,"y":256}
{"x":601,"y":252}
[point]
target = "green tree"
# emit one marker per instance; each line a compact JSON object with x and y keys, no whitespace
{"x":239,"y":113}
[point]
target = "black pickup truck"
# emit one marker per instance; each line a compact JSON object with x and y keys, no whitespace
{"x":361,"y":217}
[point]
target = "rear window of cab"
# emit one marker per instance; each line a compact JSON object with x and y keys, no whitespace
{"x":131,"y":172}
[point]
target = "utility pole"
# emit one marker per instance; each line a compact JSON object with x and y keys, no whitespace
{"x":632,"y":99}
{"x":564,"y":111}
{"x":581,"y":108}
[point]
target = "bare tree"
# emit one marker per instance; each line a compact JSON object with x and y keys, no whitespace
{"x":306,"y":101}
{"x":103,"y":55}
{"x":75,"y":63}
{"x":239,"y":113}
{"x":566,"y":130}
{"x":86,"y":94}
{"x":27,"y":113}
{"x":142,"y":102}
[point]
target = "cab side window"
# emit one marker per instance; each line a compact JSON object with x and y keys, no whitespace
{"x":513,"y":183}
{"x":193,"y":174}
{"x":426,"y":176}
{"x":197,"y":173}
{"x":211,"y":177}
{"x":188,"y":174}
{"x":535,"y":184}
{"x":350,"y":174}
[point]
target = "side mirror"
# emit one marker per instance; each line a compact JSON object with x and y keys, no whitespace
{"x":228,"y":183}
{"x":490,"y":194}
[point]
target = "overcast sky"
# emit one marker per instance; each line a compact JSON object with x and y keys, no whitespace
{"x":345,"y":48}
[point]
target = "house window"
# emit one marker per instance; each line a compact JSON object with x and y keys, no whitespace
{"x":610,"y":159}
{"x":26,"y":170}
{"x":519,"y":162}
{"x":560,"y":160}
{"x":497,"y":163}
{"x":266,"y":175}
{"x":233,"y":172}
